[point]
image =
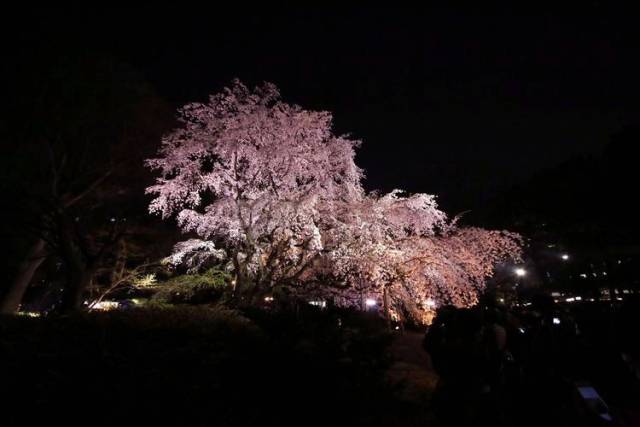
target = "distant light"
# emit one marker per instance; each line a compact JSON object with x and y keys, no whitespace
{"x":29,"y":313}
{"x":570,"y":299}
{"x":520,"y":272}
{"x":105,"y":305}
{"x":588,"y":392}
{"x":397,"y":328}
{"x":370,"y":302}
{"x":604,"y":273}
{"x":501,"y":299}
{"x":578,"y":298}
{"x":321,"y":304}
{"x":556,"y":321}
{"x":521,"y":330}
{"x":565,"y":257}
{"x":268,"y":299}
{"x":583,"y":275}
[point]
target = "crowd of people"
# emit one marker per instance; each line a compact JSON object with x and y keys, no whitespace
{"x":525,"y":365}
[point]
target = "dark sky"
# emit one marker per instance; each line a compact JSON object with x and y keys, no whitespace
{"x":460,"y":105}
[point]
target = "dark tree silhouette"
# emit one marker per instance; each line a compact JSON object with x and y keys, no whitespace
{"x":75,"y":136}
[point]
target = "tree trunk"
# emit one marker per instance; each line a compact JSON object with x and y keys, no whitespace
{"x":72,"y":298}
{"x":119,"y":267}
{"x":79,"y":268}
{"x":246,"y":285}
{"x":387,"y":312}
{"x":13,"y":298}
{"x":248,"y":292}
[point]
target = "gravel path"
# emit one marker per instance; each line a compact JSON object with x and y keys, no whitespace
{"x":412,"y":369}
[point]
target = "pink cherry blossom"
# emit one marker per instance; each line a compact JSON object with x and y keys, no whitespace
{"x":273,"y":185}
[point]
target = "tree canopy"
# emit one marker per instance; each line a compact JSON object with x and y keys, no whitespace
{"x":271,"y":184}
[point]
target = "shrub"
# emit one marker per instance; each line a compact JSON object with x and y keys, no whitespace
{"x":193,"y":365}
{"x":207,"y":287}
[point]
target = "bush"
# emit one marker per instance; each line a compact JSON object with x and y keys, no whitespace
{"x":195,"y":365}
{"x":152,"y":363}
{"x":207,"y":287}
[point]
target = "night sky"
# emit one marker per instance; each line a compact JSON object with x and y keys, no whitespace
{"x":458,"y":105}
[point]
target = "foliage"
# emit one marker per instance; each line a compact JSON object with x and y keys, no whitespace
{"x":208,"y":286}
{"x":195,"y":254}
{"x":145,"y":281}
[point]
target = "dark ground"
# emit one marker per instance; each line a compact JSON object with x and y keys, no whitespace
{"x":211,"y":366}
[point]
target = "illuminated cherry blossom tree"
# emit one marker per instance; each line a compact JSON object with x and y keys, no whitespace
{"x":260,"y":176}
{"x":195,"y":255}
{"x":271,"y":184}
{"x":405,"y":253}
